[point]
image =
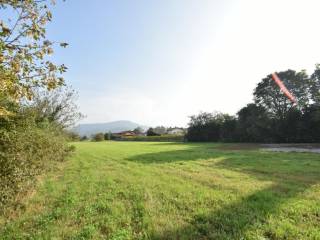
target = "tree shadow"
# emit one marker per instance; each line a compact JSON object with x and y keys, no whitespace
{"x":232,"y":221}
{"x":288,"y":175}
{"x":192,"y":153}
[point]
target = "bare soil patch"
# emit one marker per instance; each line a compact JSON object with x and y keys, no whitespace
{"x":274,"y":147}
{"x":295,"y":147}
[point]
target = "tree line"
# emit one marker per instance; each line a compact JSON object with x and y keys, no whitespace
{"x":272,"y":117}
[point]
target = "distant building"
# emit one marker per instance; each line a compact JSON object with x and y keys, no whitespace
{"x":176,"y":131}
{"x":126,"y":134}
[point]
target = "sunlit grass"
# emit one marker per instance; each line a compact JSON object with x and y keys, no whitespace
{"x":136,"y":190}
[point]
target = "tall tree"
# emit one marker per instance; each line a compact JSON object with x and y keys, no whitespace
{"x":315,"y":85}
{"x":24,"y":49}
{"x":268,"y":95}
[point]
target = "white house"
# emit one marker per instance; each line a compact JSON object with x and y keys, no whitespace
{"x":176,"y":131}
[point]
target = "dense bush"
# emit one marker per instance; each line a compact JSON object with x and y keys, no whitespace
{"x":254,"y":125}
{"x":207,"y":127}
{"x":72,"y":136}
{"x":98,"y":137}
{"x":84,"y":138}
{"x":311,"y":124}
{"x":26,"y":150}
{"x":151,"y":132}
{"x":107,"y":136}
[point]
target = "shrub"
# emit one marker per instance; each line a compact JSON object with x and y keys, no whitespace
{"x":107,"y":136}
{"x":206,"y":127}
{"x":98,"y":137}
{"x":151,"y":132}
{"x":84,"y":138}
{"x":72,"y":136}
{"x":26,"y":150}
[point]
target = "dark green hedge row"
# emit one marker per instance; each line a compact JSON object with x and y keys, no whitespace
{"x":162,"y":138}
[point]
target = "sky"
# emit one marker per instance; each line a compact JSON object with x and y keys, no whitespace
{"x":156,"y":62}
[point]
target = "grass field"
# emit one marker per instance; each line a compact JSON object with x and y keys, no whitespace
{"x":139,"y":190}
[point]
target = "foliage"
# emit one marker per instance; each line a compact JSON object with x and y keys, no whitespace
{"x":315,"y":85}
{"x":311,"y":123}
{"x":272,"y":118}
{"x":268,"y":95}
{"x":254,"y":124}
{"x":160,"y":130}
{"x":151,"y":132}
{"x":72,"y":136}
{"x":141,"y":190}
{"x":84,"y":138}
{"x":56,"y":106}
{"x":228,"y":128}
{"x":212,"y":127}
{"x":27,"y":149}
{"x":32,"y":134}
{"x":108,"y":136}
{"x":98,"y":137}
{"x":138,"y":130}
{"x":24,"y":49}
{"x":161,"y":138}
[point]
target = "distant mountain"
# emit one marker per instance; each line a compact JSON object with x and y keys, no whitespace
{"x":117,"y":126}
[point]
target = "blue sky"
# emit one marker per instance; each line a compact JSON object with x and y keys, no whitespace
{"x":156,"y":62}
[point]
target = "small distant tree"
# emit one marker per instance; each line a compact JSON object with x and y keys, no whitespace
{"x":107,"y":136}
{"x":98,"y":137}
{"x":160,"y":130}
{"x":151,"y":132}
{"x":84,"y":138}
{"x":138,"y":130}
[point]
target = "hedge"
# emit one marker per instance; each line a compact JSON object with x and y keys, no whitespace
{"x":26,"y":150}
{"x":162,"y":138}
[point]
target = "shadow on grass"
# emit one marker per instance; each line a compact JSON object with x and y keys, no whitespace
{"x":232,"y":221}
{"x":290,"y":175}
{"x":192,"y":153}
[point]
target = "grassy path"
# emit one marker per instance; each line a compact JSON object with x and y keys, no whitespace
{"x":136,"y":190}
